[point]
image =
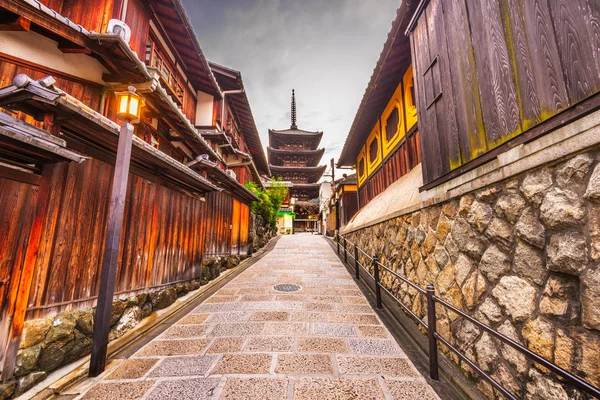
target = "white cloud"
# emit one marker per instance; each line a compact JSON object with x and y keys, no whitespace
{"x":325,"y":49}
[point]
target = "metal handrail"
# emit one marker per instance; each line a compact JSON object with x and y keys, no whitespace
{"x":433,"y":336}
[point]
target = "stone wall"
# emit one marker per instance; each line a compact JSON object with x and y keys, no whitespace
{"x":260,"y":233}
{"x":522,"y":256}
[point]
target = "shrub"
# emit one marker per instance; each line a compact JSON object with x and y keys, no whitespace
{"x":270,"y":200}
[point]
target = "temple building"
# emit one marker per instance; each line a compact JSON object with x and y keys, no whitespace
{"x":294,"y":156}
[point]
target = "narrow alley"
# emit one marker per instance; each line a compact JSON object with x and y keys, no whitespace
{"x":251,"y":341}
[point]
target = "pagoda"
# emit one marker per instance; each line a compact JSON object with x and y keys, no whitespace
{"x":294,"y":156}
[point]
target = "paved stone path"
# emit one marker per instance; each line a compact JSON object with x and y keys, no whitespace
{"x":249,"y":341}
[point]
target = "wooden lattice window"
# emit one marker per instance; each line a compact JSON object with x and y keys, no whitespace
{"x":391,"y":125}
{"x":373,"y":150}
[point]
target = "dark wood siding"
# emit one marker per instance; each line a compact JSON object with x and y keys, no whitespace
{"x":163,"y":233}
{"x":219,"y":212}
{"x":514,"y":64}
{"x":138,"y":19}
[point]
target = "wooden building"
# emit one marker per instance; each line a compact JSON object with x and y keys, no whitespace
{"x":194,"y":149}
{"x":473,"y":108}
{"x":294,"y":155}
{"x":383,"y":144}
{"x":345,"y":199}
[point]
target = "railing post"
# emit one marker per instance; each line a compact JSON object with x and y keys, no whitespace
{"x":345,"y":250}
{"x":376,"y":276}
{"x":357,"y":272}
{"x":431,"y":332}
{"x":337,"y":235}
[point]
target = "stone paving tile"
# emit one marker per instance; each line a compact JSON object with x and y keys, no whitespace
{"x":182,"y":366}
{"x":256,"y":297}
{"x":133,"y":369}
{"x":338,"y":389}
{"x":385,"y":366}
{"x":355,"y":308}
{"x":185,"y":389}
{"x":237,"y":343}
{"x":243,"y":364}
{"x":403,"y":390}
{"x":221,"y":299}
{"x":118,"y":391}
{"x":174,"y":347}
{"x":320,"y":307}
{"x":238,"y":329}
{"x":184,"y":331}
{"x":359,"y":319}
{"x":227,"y":345}
{"x":229,"y":317}
{"x":355,"y":300}
{"x":376,"y":347}
{"x":309,"y":317}
{"x":290,"y":297}
{"x":270,"y":316}
{"x":193,"y":319}
{"x":304,"y":364}
{"x":322,"y":345}
{"x":275,"y":344}
{"x":334,"y":329}
{"x":286,"y":328}
{"x":373,"y":331}
{"x":255,"y":389}
{"x":325,"y":299}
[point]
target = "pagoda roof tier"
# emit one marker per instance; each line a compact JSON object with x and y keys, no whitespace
{"x":312,"y":157}
{"x":308,"y":139}
{"x":306,"y":186}
{"x":312,"y":174}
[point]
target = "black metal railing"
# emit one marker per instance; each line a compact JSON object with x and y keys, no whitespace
{"x":430,"y":326}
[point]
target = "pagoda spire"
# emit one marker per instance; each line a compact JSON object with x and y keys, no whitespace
{"x":294,"y":126}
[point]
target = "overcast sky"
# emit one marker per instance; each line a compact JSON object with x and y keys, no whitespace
{"x":324,"y":49}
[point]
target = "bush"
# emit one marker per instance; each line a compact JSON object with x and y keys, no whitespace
{"x":270,"y":200}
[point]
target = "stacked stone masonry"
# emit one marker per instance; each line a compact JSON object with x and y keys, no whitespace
{"x":51,"y":342}
{"x":521,"y":256}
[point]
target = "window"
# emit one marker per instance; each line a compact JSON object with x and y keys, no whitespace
{"x":391,"y":125}
{"x":409,"y":98}
{"x":155,"y":59}
{"x":433,"y":86}
{"x":373,"y":150}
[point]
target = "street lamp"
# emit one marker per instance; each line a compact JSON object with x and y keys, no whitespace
{"x":130,"y":104}
{"x":128,"y":110}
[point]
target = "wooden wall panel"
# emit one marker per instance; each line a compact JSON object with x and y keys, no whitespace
{"x":515,"y":64}
{"x":18,"y":202}
{"x":93,"y":15}
{"x":236,"y":218}
{"x":162,"y":239}
{"x":219,"y":221}
{"x":244,"y":228}
{"x":138,"y":19}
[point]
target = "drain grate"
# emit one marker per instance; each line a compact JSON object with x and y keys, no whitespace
{"x":287,"y":287}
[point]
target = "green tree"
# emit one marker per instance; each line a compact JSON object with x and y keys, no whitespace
{"x":271,"y":199}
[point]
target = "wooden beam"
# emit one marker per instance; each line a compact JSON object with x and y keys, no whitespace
{"x":17,"y":305}
{"x":20,"y":24}
{"x":111,"y":252}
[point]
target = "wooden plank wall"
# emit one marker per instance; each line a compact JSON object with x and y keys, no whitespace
{"x":244,"y":228}
{"x":516,"y":64}
{"x":235,"y":226}
{"x":164,"y":230}
{"x":219,"y":211}
{"x":16,"y":217}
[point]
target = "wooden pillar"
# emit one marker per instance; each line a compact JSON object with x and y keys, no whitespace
{"x":111,"y":252}
{"x":19,"y":298}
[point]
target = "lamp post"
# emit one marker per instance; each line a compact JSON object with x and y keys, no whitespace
{"x":129,"y":105}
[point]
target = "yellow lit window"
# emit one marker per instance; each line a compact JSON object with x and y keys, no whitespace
{"x":392,"y":120}
{"x":361,"y":167}
{"x":409,"y":98}
{"x":373,"y":149}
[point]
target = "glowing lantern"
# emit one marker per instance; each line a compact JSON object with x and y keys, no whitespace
{"x":129,"y":105}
